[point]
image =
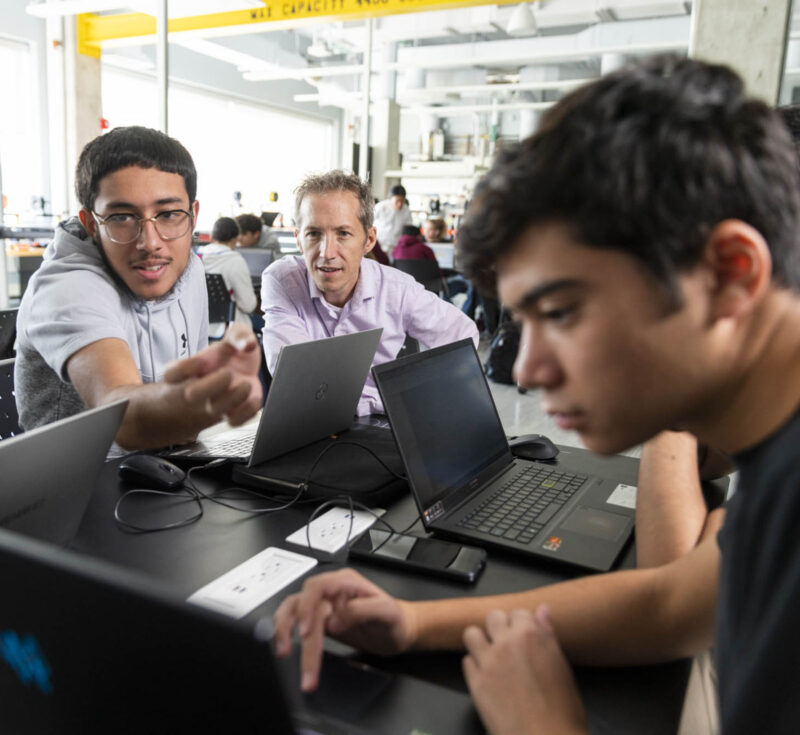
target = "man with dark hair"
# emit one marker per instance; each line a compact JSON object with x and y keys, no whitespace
{"x":646,"y":238}
{"x":120,"y":296}
{"x":253,"y":233}
{"x":391,"y":215}
{"x":333,"y":289}
{"x":220,"y":256}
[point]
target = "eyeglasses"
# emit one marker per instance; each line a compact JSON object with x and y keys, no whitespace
{"x":124,"y":228}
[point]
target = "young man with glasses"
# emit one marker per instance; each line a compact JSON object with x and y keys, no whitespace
{"x":120,"y":296}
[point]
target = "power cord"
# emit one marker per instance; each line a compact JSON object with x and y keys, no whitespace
{"x":193,"y":493}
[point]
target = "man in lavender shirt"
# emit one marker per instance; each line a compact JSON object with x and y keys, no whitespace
{"x":332,"y":289}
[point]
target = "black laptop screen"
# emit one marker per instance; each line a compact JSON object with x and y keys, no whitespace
{"x":443,"y":417}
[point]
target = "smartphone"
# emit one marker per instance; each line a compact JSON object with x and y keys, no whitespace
{"x":426,"y":555}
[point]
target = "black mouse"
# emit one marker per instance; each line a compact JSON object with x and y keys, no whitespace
{"x":533,"y":446}
{"x":149,"y":471}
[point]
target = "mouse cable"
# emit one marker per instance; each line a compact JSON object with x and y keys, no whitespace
{"x":134,"y":528}
{"x":191,"y":494}
{"x":195,"y":494}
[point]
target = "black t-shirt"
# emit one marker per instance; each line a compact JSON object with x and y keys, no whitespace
{"x":758,"y":615}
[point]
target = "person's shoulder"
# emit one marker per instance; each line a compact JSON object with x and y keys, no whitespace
{"x":387,"y":275}
{"x":428,"y":250}
{"x":286,"y":266}
{"x":289,"y":272}
{"x":71,"y":279}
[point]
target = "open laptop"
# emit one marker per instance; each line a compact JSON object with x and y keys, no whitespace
{"x":467,"y":484}
{"x":257,"y":260}
{"x":89,"y":647}
{"x":49,"y":473}
{"x":314,"y":393}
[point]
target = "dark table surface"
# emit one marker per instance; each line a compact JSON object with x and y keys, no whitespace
{"x":620,"y":700}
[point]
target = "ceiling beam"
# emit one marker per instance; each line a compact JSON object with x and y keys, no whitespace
{"x":98,"y":29}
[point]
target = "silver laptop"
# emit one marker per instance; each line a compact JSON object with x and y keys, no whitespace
{"x":467,"y":484}
{"x":49,"y":473}
{"x":314,"y":393}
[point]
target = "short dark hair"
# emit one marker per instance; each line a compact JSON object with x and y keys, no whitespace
{"x":411,"y":230}
{"x":131,"y":146}
{"x":397,"y":191}
{"x":225,"y":229}
{"x":249,"y":223}
{"x":337,"y":180}
{"x":647,"y":161}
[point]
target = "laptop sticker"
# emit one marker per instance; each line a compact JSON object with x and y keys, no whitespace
{"x":623,"y":495}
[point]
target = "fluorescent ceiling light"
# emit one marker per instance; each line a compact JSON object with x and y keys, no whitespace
{"x":522,"y":22}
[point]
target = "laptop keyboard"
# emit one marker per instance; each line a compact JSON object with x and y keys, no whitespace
{"x":237,"y":446}
{"x":519,"y":509}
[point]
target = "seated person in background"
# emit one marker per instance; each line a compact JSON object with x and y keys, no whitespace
{"x":435,"y":230}
{"x":391,"y":215}
{"x":333,"y":289}
{"x":120,"y":295}
{"x":253,"y":233}
{"x":220,"y":256}
{"x":660,"y":611}
{"x":410,"y":246}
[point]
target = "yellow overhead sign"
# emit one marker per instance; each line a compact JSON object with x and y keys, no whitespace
{"x":94,"y":29}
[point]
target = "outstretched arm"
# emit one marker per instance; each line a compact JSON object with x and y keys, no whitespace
{"x":220,"y":381}
{"x":658,"y":612}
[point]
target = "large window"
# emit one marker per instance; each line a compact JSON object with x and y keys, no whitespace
{"x":237,"y":146}
{"x":20,"y":149}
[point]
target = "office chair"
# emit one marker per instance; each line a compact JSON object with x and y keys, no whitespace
{"x":426,"y":272}
{"x":8,"y":333}
{"x":9,"y":419}
{"x":220,"y":304}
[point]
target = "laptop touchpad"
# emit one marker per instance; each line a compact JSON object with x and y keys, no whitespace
{"x":597,"y":523}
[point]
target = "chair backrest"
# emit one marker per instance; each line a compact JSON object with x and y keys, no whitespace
{"x":425,"y":271}
{"x":220,"y":304}
{"x":8,"y":333}
{"x":9,"y":420}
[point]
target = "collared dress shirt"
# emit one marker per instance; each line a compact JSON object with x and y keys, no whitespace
{"x":295,"y":311}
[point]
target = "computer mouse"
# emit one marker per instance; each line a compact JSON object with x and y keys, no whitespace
{"x":150,"y":471}
{"x":533,"y":446}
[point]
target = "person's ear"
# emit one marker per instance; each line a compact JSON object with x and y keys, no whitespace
{"x":741,"y":267}
{"x":195,"y":208}
{"x":299,"y":241}
{"x":89,"y":223}
{"x":372,"y":236}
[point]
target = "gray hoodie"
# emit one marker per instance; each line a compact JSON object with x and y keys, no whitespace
{"x":74,"y":300}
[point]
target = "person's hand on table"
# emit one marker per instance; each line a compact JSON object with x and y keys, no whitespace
{"x":348,"y":607}
{"x":518,"y":676}
{"x":224,"y":376}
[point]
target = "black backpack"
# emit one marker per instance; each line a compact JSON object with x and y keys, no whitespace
{"x":502,"y":353}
